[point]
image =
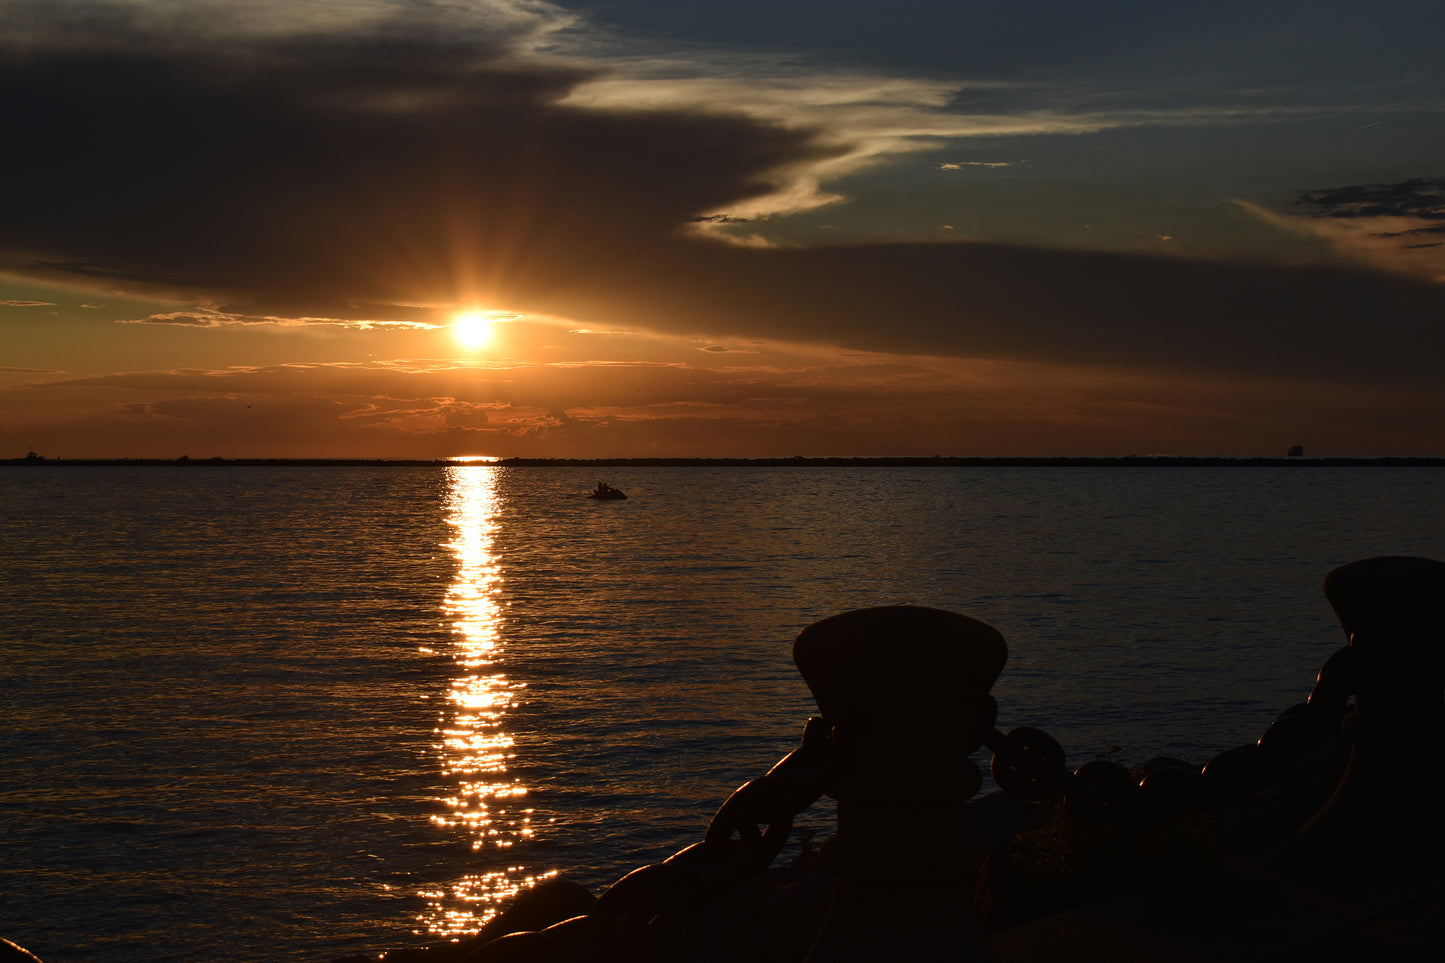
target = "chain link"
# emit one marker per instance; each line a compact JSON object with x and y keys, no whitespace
{"x":1027,"y":763}
{"x":742,"y":839}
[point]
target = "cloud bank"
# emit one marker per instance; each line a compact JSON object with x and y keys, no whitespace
{"x":811,"y":406}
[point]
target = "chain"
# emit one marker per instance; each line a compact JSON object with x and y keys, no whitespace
{"x":1027,"y":762}
{"x":747,"y":832}
{"x":745,"y":835}
{"x":640,"y":916}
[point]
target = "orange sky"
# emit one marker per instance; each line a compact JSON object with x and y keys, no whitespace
{"x":251,"y":236}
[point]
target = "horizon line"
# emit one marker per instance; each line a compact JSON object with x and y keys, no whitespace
{"x":817,"y":461}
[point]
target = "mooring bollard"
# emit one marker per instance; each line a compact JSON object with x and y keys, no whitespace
{"x":1389,"y":800}
{"x":906,"y":691}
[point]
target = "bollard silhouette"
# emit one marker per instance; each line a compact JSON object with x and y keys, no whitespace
{"x":1389,"y":800}
{"x":906,"y":691}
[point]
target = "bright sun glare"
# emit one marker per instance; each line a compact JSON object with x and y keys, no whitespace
{"x":472,"y":329}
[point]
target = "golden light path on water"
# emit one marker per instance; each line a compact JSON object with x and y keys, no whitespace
{"x":488,"y":805}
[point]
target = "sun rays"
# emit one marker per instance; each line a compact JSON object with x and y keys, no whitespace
{"x":472,"y":329}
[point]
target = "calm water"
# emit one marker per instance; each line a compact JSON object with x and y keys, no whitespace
{"x":267,"y":713}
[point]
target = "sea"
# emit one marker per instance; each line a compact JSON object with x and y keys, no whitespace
{"x":261,"y":713}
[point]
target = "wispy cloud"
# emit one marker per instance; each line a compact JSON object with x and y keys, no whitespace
{"x":1398,"y":227}
{"x":960,"y":165}
{"x":224,"y":319}
{"x":862,"y":121}
{"x":90,"y":25}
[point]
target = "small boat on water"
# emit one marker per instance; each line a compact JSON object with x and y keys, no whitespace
{"x":606,"y":492}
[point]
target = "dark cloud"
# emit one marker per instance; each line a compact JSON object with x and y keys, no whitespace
{"x":986,"y":300}
{"x":1413,"y":232}
{"x":365,"y":170}
{"x":1418,"y":197}
{"x":321,"y":176}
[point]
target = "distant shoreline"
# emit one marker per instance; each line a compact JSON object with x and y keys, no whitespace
{"x":1124,"y":461}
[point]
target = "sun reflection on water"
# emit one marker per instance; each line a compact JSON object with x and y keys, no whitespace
{"x":488,"y":806}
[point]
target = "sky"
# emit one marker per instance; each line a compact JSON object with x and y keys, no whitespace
{"x":670,"y":228}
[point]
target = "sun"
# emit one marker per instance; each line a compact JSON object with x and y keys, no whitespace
{"x":472,"y":329}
